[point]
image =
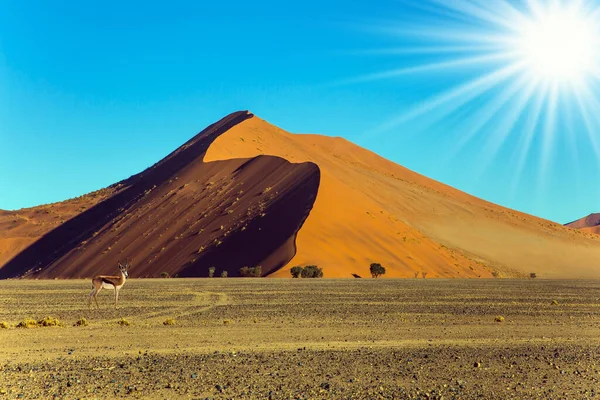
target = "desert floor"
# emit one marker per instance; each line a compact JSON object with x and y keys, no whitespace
{"x":284,"y":338}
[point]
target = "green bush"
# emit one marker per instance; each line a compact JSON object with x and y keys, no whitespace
{"x":377,"y":270}
{"x":224,"y":274}
{"x":251,"y":271}
{"x":296,"y":271}
{"x":312,"y":271}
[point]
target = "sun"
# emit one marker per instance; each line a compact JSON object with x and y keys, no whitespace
{"x":558,"y":44}
{"x":520,"y":78}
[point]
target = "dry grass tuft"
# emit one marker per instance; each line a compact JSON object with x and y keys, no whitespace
{"x":226,"y":322}
{"x":4,"y":325}
{"x":554,"y":302}
{"x":27,"y":323}
{"x":124,"y":322}
{"x":169,"y":321}
{"x":50,"y":321}
{"x":81,"y":322}
{"x":499,"y":318}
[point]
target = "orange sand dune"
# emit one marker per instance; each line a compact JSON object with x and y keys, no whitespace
{"x":589,"y":224}
{"x":246,"y":193}
{"x":369,"y":209}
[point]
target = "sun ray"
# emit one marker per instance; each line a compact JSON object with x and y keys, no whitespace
{"x":526,"y":139}
{"x":501,"y":132}
{"x":475,"y":11}
{"x":486,"y":113}
{"x":431,"y":67}
{"x":457,"y":95}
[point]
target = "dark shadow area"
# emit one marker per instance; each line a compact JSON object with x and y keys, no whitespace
{"x":45,"y":252}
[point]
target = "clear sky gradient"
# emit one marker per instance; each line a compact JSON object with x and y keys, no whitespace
{"x":92,"y":92}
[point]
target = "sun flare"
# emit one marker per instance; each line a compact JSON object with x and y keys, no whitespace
{"x":519,"y":76}
{"x":559,"y":44}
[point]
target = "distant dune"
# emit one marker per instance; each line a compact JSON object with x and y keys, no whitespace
{"x":246,"y":193}
{"x":590,"y":224}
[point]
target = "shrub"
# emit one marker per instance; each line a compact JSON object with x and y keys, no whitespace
{"x":296,"y":271}
{"x":377,"y":270}
{"x":27,"y":323}
{"x":123,"y":322}
{"x":4,"y":325}
{"x":211,"y":272}
{"x":499,"y":318}
{"x":312,"y":271}
{"x":226,"y":322}
{"x":424,"y":274}
{"x":416,"y":274}
{"x":533,"y":275}
{"x":81,"y":322}
{"x":50,"y":321}
{"x":251,"y":271}
{"x":164,"y":274}
{"x":554,"y":302}
{"x":224,"y":274}
{"x":169,"y":321}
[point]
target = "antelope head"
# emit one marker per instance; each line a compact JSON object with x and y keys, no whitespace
{"x":124,"y":268}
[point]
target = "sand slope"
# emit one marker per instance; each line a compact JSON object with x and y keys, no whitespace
{"x":589,"y":224}
{"x":244,"y":193}
{"x":182,"y":216}
{"x":369,"y":209}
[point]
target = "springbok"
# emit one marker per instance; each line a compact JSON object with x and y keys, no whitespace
{"x":100,"y":282}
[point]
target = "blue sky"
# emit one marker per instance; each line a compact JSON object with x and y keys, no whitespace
{"x":93,"y":92}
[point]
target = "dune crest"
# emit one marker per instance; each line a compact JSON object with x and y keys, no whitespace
{"x":182,"y":216}
{"x":246,"y":193}
{"x":369,"y":209}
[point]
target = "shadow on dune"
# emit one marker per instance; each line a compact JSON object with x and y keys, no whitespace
{"x":53,"y":254}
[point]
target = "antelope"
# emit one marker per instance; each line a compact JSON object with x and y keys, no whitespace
{"x":100,"y":282}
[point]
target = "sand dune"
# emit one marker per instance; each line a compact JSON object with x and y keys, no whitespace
{"x":245,"y":193}
{"x":182,"y":216}
{"x":369,"y":209}
{"x":589,"y":224}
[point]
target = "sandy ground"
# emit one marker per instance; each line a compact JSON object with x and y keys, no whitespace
{"x":284,"y":338}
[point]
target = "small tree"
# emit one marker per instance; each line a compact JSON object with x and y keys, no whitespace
{"x":224,"y":274}
{"x":296,"y":271}
{"x":312,"y":271}
{"x":533,"y":275}
{"x":164,"y":274}
{"x":211,"y":272}
{"x":424,"y":274}
{"x":377,"y":270}
{"x":416,"y":274}
{"x":251,"y":271}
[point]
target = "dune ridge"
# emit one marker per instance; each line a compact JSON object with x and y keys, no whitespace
{"x":182,"y":216}
{"x":589,"y":224}
{"x":369,"y":209}
{"x":246,"y":193}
